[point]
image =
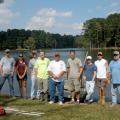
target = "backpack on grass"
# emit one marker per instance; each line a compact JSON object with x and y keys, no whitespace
{"x":2,"y":111}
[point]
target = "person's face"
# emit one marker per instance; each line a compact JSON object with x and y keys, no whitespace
{"x":42,"y":55}
{"x":57,"y":57}
{"x":34,"y":55}
{"x":100,"y":56}
{"x":8,"y":54}
{"x":88,"y":61}
{"x":20,"y":58}
{"x":72,"y":55}
{"x":116,"y":56}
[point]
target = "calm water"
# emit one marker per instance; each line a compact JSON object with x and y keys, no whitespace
{"x":80,"y":53}
{"x":64,"y":56}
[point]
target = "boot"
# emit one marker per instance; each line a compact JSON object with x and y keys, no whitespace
{"x":103,"y":100}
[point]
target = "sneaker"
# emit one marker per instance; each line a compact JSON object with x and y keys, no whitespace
{"x":60,"y":103}
{"x":90,"y":101}
{"x":32,"y":98}
{"x":51,"y":102}
{"x":77,"y":102}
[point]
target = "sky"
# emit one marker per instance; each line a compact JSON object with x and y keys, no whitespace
{"x":54,"y":16}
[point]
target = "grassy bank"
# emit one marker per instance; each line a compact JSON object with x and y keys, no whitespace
{"x":57,"y":112}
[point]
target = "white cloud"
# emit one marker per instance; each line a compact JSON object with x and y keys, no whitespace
{"x":112,"y":12}
{"x":45,"y":19}
{"x":5,"y":13}
{"x":114,"y":4}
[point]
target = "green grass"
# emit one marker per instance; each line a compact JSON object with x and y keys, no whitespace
{"x":57,"y":112}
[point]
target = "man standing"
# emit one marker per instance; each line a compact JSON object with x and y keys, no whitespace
{"x":41,"y":73}
{"x":102,"y":71}
{"x":56,"y":69}
{"x":90,"y":74}
{"x":74,"y":70}
{"x":114,"y":69}
{"x":7,"y":70}
{"x":32,"y":73}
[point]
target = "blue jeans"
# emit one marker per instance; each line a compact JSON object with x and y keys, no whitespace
{"x":33,"y":85}
{"x":10,"y":82}
{"x":52,"y":90}
{"x":114,"y":89}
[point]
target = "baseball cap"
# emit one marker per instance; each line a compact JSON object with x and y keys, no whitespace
{"x":7,"y":50}
{"x":89,"y":57}
{"x":116,"y":53}
{"x":100,"y":53}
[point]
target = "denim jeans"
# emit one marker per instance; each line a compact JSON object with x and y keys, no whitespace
{"x":52,"y":89}
{"x":90,"y":89}
{"x":33,"y":86}
{"x":10,"y":82}
{"x":114,"y":89}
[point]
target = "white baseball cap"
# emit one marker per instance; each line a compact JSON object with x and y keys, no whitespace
{"x":89,"y":57}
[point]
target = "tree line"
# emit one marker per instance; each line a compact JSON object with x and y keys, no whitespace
{"x":96,"y":33}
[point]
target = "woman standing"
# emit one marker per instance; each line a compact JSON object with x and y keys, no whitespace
{"x":21,"y":69}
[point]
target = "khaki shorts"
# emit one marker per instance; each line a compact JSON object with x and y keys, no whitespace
{"x":101,"y":82}
{"x":73,"y":84}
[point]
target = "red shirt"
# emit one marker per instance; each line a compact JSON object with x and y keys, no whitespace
{"x":20,"y":66}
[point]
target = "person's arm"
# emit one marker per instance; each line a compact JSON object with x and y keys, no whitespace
{"x":63,"y":70}
{"x":68,"y":69}
{"x":25,"y":71}
{"x":107,"y":72}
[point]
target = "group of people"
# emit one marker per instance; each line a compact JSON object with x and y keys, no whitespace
{"x":48,"y":75}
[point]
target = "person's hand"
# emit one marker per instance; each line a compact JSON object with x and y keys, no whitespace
{"x":108,"y":76}
{"x":78,"y":77}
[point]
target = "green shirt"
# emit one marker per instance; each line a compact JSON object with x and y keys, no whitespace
{"x":41,"y":66}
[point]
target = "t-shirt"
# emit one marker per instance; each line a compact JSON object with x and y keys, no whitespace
{"x":41,"y":66}
{"x":56,"y":67}
{"x":114,"y":69}
{"x":74,"y":66}
{"x":20,"y":67}
{"x":101,"y":68}
{"x":31,"y":65}
{"x":89,"y":70}
{"x":7,"y":64}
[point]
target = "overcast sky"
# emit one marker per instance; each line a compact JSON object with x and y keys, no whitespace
{"x":55,"y":16}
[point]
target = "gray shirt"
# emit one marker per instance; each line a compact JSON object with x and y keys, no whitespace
{"x":31,"y":65}
{"x":74,"y":67}
{"x":7,"y":64}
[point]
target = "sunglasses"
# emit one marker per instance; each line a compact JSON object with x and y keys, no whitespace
{"x":115,"y":54}
{"x":99,"y":54}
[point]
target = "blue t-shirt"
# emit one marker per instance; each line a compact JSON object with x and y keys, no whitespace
{"x":89,"y":71}
{"x":114,"y":69}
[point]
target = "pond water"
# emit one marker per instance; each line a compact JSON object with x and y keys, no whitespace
{"x":64,"y":56}
{"x":80,"y":53}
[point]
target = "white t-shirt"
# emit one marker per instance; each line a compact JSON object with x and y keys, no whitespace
{"x":101,"y":68}
{"x":56,"y":67}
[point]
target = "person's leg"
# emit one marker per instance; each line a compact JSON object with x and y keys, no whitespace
{"x":60,"y":87}
{"x":103,"y":86}
{"x":52,"y":89}
{"x":33,"y":81}
{"x":77,"y":89}
{"x":25,"y":87}
{"x":10,"y":82}
{"x":114,"y":94}
{"x":45,"y":90}
{"x":20,"y":87}
{"x":3,"y":79}
{"x":39,"y":88}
